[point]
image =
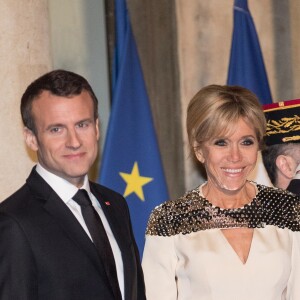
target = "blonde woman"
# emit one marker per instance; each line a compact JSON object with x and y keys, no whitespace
{"x":229,"y":238}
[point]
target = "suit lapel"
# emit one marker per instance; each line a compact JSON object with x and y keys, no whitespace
{"x":63,"y":217}
{"x":115,"y":217}
{"x":69,"y":224}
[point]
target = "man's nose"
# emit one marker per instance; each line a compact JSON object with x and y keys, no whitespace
{"x":73,"y":139}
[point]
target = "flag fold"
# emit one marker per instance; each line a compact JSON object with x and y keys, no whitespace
{"x":131,"y":163}
{"x":246,"y":67}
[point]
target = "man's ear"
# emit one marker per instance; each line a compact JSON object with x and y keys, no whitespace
{"x":30,"y":139}
{"x":97,"y":129}
{"x":286,"y":165}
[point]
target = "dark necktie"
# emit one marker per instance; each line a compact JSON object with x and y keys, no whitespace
{"x":99,"y":237}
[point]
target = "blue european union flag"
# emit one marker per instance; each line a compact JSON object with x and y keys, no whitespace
{"x":246,"y":66}
{"x":131,"y":163}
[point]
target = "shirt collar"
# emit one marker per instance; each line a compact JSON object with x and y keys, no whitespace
{"x":297,"y":173}
{"x":63,"y":188}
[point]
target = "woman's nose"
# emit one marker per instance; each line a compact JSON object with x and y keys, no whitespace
{"x":234,"y":154}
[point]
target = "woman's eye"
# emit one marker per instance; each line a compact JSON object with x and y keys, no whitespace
{"x":220,"y":143}
{"x":248,"y":142}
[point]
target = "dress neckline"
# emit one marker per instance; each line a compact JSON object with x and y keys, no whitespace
{"x":200,"y":193}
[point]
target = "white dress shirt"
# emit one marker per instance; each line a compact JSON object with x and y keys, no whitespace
{"x":297,"y":173}
{"x":65,"y":190}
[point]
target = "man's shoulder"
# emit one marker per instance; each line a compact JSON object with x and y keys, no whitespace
{"x":294,"y":186}
{"x":105,"y":192}
{"x":20,"y":198}
{"x":16,"y":200}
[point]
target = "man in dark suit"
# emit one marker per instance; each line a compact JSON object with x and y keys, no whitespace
{"x":281,"y":157}
{"x":54,"y":246}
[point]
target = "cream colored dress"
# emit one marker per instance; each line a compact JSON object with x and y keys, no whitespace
{"x":187,"y":257}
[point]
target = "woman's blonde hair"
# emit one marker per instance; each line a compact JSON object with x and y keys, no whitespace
{"x":216,"y":109}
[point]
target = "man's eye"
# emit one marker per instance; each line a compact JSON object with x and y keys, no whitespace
{"x":54,"y":129}
{"x":82,"y":125}
{"x":220,"y":143}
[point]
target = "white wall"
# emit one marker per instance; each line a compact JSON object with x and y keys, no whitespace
{"x":24,"y":55}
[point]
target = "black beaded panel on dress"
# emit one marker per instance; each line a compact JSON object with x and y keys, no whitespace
{"x":192,"y":213}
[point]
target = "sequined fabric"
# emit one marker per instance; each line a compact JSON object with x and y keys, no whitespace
{"x":192,"y":213}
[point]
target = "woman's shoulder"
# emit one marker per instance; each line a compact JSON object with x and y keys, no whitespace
{"x":174,"y":216}
{"x":277,"y":195}
{"x":193,"y":212}
{"x":281,"y":207}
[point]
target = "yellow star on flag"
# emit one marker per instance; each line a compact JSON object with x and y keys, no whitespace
{"x":135,"y":182}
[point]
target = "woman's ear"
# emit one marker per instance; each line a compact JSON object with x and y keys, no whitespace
{"x":198,"y":153}
{"x":286,"y":165}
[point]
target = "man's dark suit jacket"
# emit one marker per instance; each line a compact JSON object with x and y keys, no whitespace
{"x":294,"y":186}
{"x":45,"y":253}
